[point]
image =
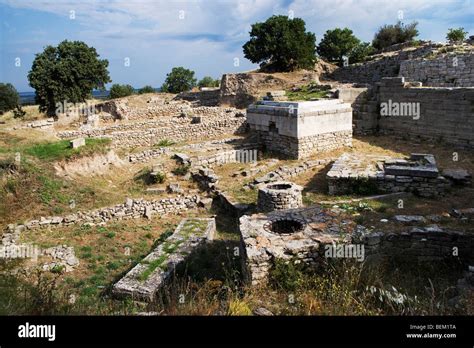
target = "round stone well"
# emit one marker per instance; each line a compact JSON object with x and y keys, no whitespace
{"x":287,"y":235}
{"x":280,"y":195}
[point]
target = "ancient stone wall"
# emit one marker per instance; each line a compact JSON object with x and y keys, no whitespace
{"x":131,"y":209}
{"x":352,"y":174}
{"x":300,"y":148}
{"x":444,"y":113}
{"x":177,"y":132}
{"x":382,"y":65}
{"x":421,"y":244}
{"x":443,"y":70}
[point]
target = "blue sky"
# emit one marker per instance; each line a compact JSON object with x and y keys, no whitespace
{"x":203,"y":35}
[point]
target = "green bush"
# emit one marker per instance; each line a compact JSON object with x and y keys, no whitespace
{"x":456,"y":35}
{"x":9,"y":98}
{"x":208,"y":81}
{"x":281,"y":44}
{"x":68,"y":72}
{"x":389,"y":35}
{"x":361,"y":52}
{"x":181,"y":169}
{"x":120,"y":91}
{"x":165,"y":143}
{"x":146,"y":89}
{"x":179,"y":80}
{"x":337,"y":43}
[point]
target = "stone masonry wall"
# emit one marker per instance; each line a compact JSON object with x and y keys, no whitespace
{"x":385,"y":65}
{"x":305,"y":146}
{"x":449,"y":70}
{"x":151,"y":136}
{"x":131,"y":209}
{"x":445,"y":113}
{"x":422,"y":244}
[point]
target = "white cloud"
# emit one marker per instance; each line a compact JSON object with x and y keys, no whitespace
{"x":211,"y":33}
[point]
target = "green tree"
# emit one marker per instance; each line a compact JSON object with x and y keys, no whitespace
{"x":337,"y":43}
{"x":208,"y":81}
{"x":9,"y":98}
{"x":179,"y":80}
{"x":119,"y":91}
{"x":281,"y":44}
{"x":146,"y":89}
{"x":68,"y":72}
{"x":360,"y":52}
{"x":456,"y":35}
{"x":394,"y":34}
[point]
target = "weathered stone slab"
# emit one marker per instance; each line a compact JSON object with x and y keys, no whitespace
{"x":147,"y":277}
{"x":76,"y":143}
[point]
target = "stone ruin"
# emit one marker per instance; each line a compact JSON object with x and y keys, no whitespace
{"x":370,"y":174}
{"x":287,"y":234}
{"x":144,"y":280}
{"x":297,"y":129}
{"x":279,"y":195}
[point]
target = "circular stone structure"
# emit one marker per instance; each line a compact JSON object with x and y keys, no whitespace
{"x":280,"y":195}
{"x":287,"y":235}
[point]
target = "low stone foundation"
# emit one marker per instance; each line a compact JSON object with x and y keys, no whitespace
{"x":420,"y":244}
{"x":279,"y":195}
{"x":371,"y":174}
{"x":146,"y":278}
{"x":131,"y":209}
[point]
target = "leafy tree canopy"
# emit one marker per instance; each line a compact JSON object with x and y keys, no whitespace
{"x":389,"y":35}
{"x":360,"y":52}
{"x":208,"y":81}
{"x":281,"y":44}
{"x":146,"y":89}
{"x":120,"y":91}
{"x":68,"y":72}
{"x":337,"y":43}
{"x":179,"y":80}
{"x":9,"y":98}
{"x":456,"y":35}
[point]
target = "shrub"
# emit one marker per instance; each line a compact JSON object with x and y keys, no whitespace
{"x":281,"y":44}
{"x":120,"y":91}
{"x":181,"y":170}
{"x":146,"y":89}
{"x":394,"y":34}
{"x":68,"y":72}
{"x":165,"y":143}
{"x":361,"y":52}
{"x":18,"y":112}
{"x":179,"y":80}
{"x":337,"y":43}
{"x":9,"y":98}
{"x":208,"y":81}
{"x":158,"y":177}
{"x":456,"y":35}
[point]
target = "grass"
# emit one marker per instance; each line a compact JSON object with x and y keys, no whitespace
{"x":165,"y":143}
{"x":308,"y":92}
{"x":61,"y":150}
